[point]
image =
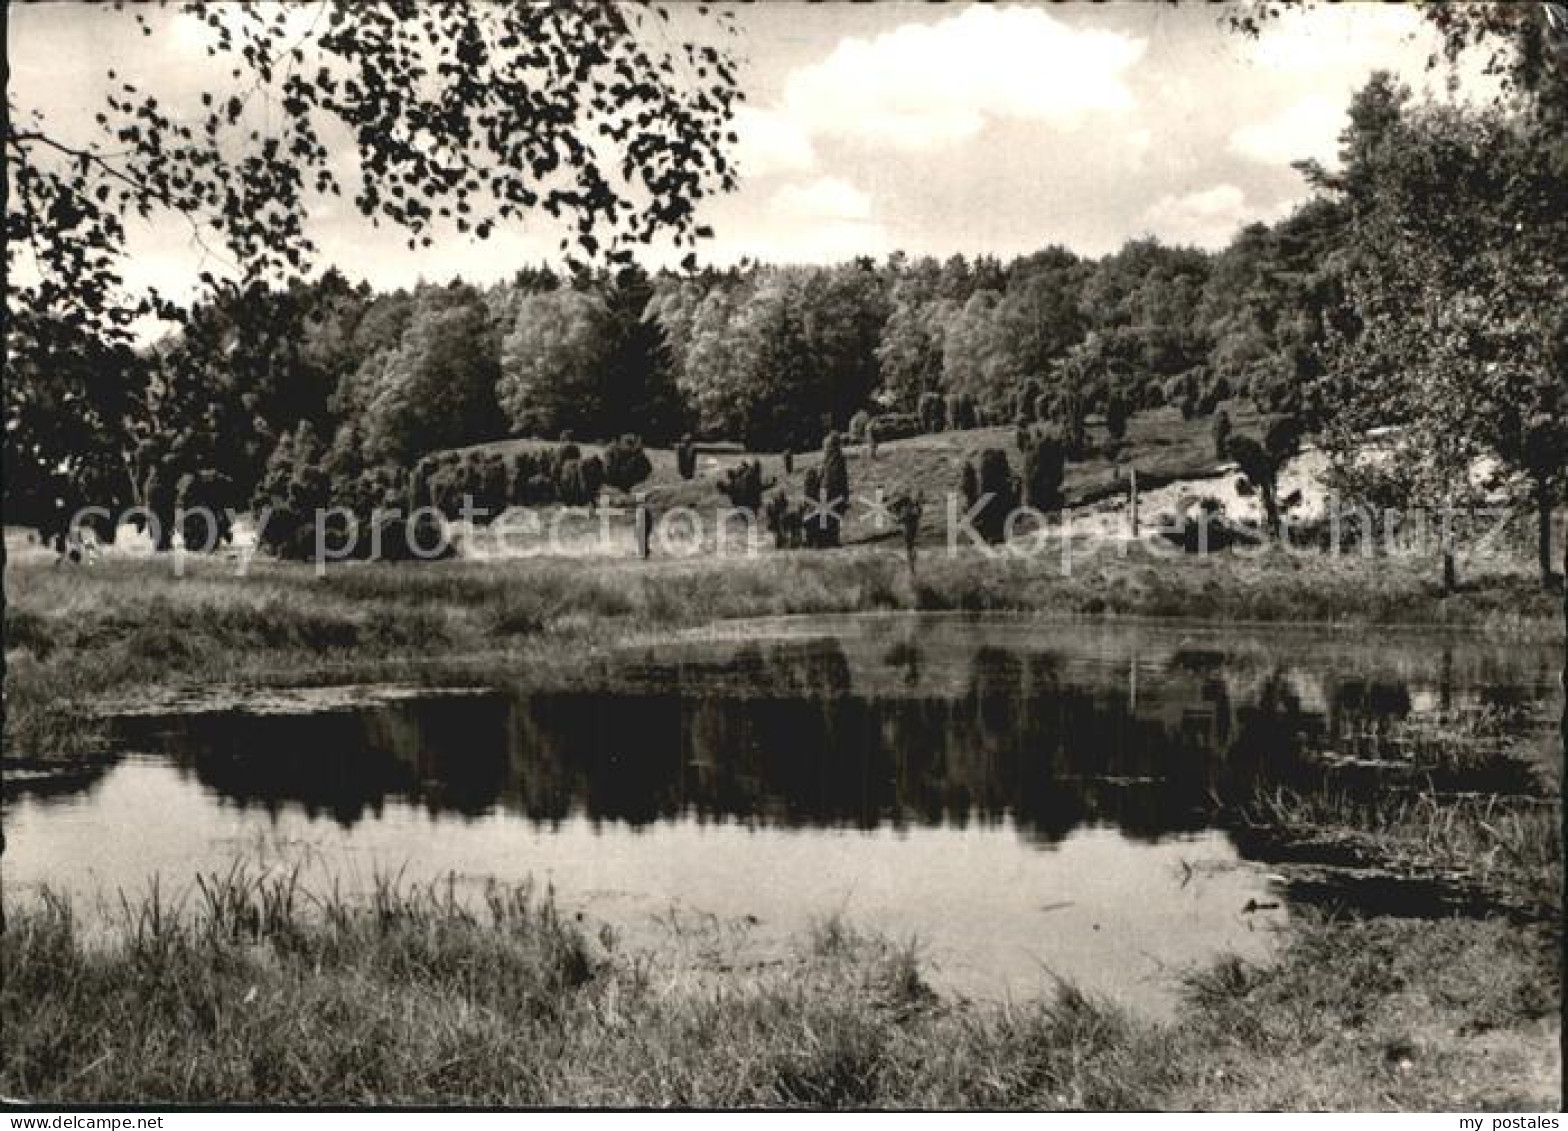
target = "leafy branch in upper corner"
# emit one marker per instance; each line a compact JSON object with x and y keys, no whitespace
{"x":463,"y":115}
{"x":468,"y":114}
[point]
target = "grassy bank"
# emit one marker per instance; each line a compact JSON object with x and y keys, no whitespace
{"x":263,"y":996}
{"x":76,"y":637}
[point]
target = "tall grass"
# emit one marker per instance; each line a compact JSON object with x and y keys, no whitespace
{"x":1443,"y":799}
{"x":126,"y":626}
{"x":1510,"y":848}
{"x":257,"y":991}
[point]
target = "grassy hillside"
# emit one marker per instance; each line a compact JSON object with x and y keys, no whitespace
{"x":1160,"y":444}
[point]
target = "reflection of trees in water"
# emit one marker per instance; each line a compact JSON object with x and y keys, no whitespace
{"x":449,"y":752}
{"x":1361,"y":703}
{"x":776,"y":735}
{"x":47,"y":782}
{"x":905,"y":657}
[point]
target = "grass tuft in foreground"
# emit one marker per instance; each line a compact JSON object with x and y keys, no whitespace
{"x":256,"y":992}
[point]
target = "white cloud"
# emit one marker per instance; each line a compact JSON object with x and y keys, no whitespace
{"x":1309,"y":127}
{"x":1135,"y":148}
{"x":1313,"y":62}
{"x":1207,"y":217}
{"x":920,"y":86}
{"x":826,"y":198}
{"x":827,"y":220}
{"x":830,"y":242}
{"x":771,"y":142}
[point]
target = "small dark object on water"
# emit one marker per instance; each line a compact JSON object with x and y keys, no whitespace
{"x":1254,"y":905}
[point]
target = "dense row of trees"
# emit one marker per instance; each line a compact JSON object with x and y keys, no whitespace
{"x":1420,"y":288}
{"x":775,"y":357}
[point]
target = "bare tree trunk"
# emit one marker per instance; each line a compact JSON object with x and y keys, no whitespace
{"x":1270,"y":508}
{"x":1445,"y":546}
{"x":1134,"y":492}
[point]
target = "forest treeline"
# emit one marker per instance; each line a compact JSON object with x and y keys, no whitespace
{"x":1420,"y":284}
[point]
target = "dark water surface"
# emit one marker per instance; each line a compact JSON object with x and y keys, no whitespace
{"x":1025,"y":799}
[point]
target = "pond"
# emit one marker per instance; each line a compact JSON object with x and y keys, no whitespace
{"x":1025,"y":800}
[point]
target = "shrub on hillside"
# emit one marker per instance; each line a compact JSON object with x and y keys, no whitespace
{"x":989,"y":484}
{"x":1070,"y":416}
{"x":569,"y":483}
{"x":492,"y":494}
{"x":477,"y":482}
{"x":1116,"y":416}
{"x":565,"y":453}
{"x":686,"y":457}
{"x":743,"y":485}
{"x":523,"y":469}
{"x":384,"y":488}
{"x":539,"y":490}
{"x":419,"y":483}
{"x":1027,"y":401}
{"x":1262,"y":461}
{"x":1045,"y":467}
{"x":403,"y":538}
{"x":293,"y":490}
{"x":961,"y":412}
{"x":202,"y":501}
{"x":783,"y":520}
{"x":969,"y":484}
{"x":625,"y":463}
{"x":1221,"y":430}
{"x":833,"y":496}
{"x":1282,"y":437}
{"x":448,"y":483}
{"x":592,"y":474}
{"x":933,"y":413}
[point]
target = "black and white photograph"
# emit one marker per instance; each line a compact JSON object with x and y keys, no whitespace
{"x":630,"y":555}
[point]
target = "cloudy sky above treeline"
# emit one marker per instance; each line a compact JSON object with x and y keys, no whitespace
{"x":867,"y":128}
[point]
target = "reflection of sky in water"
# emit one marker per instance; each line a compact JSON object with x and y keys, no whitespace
{"x":1024,"y":800}
{"x":994,"y":915}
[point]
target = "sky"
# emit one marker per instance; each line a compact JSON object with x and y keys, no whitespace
{"x":867,"y":128}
